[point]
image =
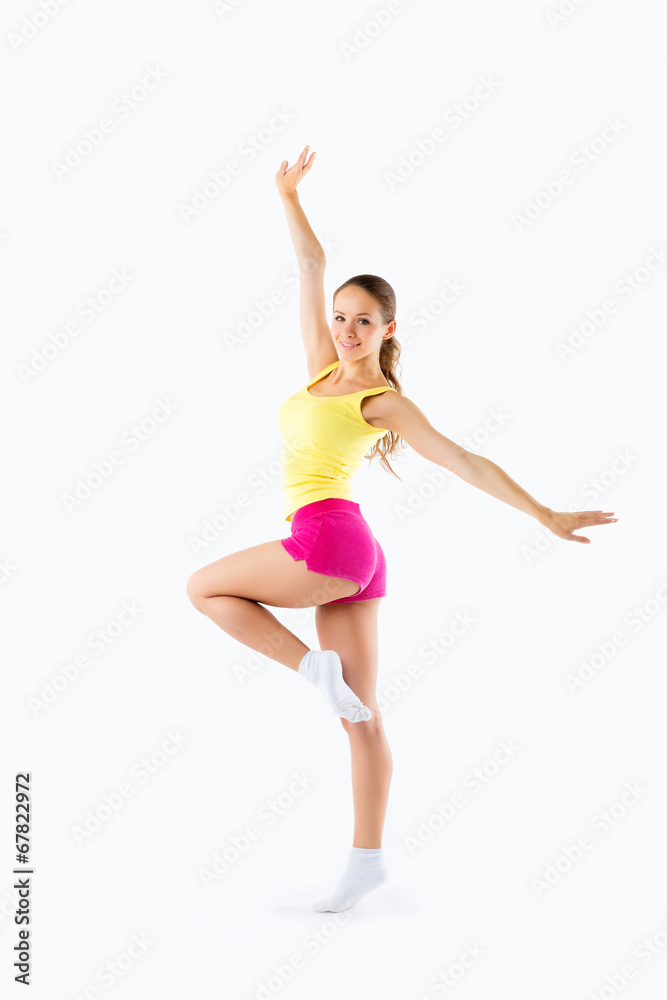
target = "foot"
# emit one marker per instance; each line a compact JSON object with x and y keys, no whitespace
{"x":366,"y":870}
{"x":322,"y":667}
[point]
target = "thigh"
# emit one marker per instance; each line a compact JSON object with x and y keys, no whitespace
{"x":352,"y":630}
{"x":267,"y":573}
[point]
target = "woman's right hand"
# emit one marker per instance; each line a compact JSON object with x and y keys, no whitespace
{"x":287,"y":180}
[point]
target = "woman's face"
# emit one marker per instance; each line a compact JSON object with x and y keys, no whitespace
{"x":357,"y":328}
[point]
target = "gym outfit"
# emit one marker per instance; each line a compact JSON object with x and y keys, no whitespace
{"x":325,"y":439}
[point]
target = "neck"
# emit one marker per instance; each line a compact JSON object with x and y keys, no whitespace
{"x":364,"y":370}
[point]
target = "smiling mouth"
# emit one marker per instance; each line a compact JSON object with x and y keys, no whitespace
{"x":348,"y":347}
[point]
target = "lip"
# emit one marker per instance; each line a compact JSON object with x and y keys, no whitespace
{"x":347,"y":346}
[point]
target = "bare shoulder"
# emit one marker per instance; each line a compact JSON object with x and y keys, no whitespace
{"x":402,"y":416}
{"x":391,"y":411}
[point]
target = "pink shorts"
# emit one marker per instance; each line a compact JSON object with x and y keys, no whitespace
{"x":334,"y":538}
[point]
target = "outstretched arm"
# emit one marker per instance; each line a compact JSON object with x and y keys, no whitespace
{"x":403,"y":417}
{"x":486,"y":475}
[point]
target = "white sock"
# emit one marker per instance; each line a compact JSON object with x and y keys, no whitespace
{"x":366,"y":870}
{"x":322,"y":667}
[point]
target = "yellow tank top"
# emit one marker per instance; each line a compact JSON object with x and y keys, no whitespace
{"x":325,"y":439}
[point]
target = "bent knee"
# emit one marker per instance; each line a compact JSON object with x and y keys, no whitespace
{"x":194,"y":590}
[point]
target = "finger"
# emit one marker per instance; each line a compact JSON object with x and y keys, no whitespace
{"x":587,"y":518}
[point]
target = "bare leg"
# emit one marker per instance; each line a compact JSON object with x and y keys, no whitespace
{"x":232,"y":590}
{"x":372,"y":768}
{"x":351,"y":629}
{"x":254,"y":625}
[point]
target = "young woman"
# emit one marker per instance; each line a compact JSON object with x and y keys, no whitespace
{"x":331,"y":560}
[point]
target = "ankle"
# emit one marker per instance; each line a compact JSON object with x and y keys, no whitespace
{"x":296,"y":658}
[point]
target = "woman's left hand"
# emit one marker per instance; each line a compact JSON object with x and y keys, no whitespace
{"x":563,"y":523}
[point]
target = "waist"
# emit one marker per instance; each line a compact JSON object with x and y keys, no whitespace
{"x":321,"y":506}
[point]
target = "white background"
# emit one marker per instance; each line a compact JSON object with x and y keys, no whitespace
{"x":583,"y":430}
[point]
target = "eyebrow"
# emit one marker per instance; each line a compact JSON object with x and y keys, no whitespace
{"x":358,"y":314}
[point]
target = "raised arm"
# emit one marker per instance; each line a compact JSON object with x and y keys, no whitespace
{"x":315,"y":330}
{"x":399,"y":414}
